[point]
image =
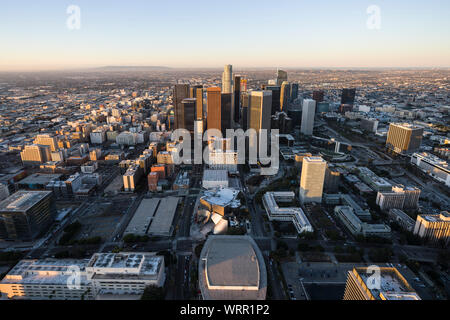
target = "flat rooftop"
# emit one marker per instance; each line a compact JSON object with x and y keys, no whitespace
{"x":45,"y":272}
{"x":232,"y":268}
{"x":40,"y":178}
{"x":22,"y":200}
{"x":392,"y":286}
{"x":161,"y":224}
{"x":125,"y":263}
{"x":142,"y":218}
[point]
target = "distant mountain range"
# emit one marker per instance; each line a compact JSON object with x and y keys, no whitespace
{"x":132,"y":68}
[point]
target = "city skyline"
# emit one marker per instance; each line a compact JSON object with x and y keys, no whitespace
{"x":323,"y":35}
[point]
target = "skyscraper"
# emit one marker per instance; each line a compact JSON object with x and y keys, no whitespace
{"x":404,"y":137}
{"x":260,"y":105}
{"x":226,"y":112}
{"x":189,"y":106}
{"x":237,"y":98}
{"x":227,"y":79}
{"x":318,"y":95}
{"x":312,"y":178}
{"x":282,"y":76}
{"x":245,"y":98}
{"x":214,"y":108}
{"x":309,"y":109}
{"x":197,"y":93}
{"x":180,"y":92}
{"x":276,"y":90}
{"x":348,"y":96}
{"x":285,"y":95}
{"x":294,"y":92}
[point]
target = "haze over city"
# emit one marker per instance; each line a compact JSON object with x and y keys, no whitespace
{"x":204,"y":34}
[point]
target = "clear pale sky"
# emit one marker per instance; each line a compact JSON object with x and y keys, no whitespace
{"x":245,"y":33}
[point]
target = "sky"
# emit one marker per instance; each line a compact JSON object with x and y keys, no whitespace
{"x":34,"y":35}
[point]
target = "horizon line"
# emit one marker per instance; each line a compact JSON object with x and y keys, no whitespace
{"x":168,"y":68}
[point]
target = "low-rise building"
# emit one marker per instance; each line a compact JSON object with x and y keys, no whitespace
{"x":290,"y":214}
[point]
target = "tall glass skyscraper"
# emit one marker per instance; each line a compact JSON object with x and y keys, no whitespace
{"x":227,"y":81}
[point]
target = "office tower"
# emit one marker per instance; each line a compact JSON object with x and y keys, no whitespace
{"x":237,"y":98}
{"x":404,"y":137}
{"x":400,"y":197}
{"x":214,"y":109}
{"x":309,"y":109}
{"x":26,"y":214}
{"x":47,"y":140}
{"x":227,"y":80}
{"x":434,"y":228}
{"x":294,"y":92}
{"x":189,"y":109}
{"x":180,"y":92}
{"x":282,"y":76}
{"x":276,"y":99}
{"x":243,"y":85}
{"x":196,"y":92}
{"x":35,"y":154}
{"x":312,"y":179}
{"x":282,"y":122}
{"x":348,"y":96}
{"x":226,"y":112}
{"x":318,"y":95}
{"x":245,"y":98}
{"x":260,"y":105}
{"x":364,"y":284}
{"x":332,"y":180}
{"x":285,"y":95}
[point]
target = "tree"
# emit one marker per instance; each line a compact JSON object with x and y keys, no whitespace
{"x":153,"y":292}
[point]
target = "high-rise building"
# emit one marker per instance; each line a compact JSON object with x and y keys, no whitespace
{"x":196,"y":92}
{"x":308,"y":113}
{"x":433,"y":227}
{"x":285,"y":95}
{"x":404,"y":137}
{"x":282,"y":76}
{"x":260,"y":105}
{"x":47,"y":140}
{"x":400,"y":197}
{"x":276,"y":99}
{"x":294,"y":92}
{"x":189,"y":109}
{"x":180,"y":92}
{"x":35,"y":154}
{"x":26,"y":214}
{"x":245,"y":101}
{"x":227,"y":80}
{"x":365,"y":283}
{"x":237,"y":98}
{"x":214,"y":108}
{"x":226,"y":112}
{"x":312,"y":179}
{"x":318,"y":95}
{"x":348,"y":96}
